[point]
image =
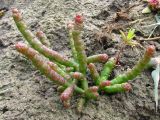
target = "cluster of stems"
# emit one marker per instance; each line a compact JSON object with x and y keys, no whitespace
{"x":71,"y":74}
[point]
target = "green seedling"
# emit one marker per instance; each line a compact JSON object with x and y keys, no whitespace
{"x":128,"y":38}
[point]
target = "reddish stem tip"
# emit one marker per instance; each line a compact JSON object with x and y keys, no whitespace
{"x":64,"y":96}
{"x":16,"y":14}
{"x":105,"y":83}
{"x":76,"y":75}
{"x":39,"y":34}
{"x":67,"y":93}
{"x":79,"y":19}
{"x":94,"y":88}
{"x":127,"y":86}
{"x":150,"y":50}
{"x":103,"y":57}
{"x":15,"y":10}
{"x":20,"y":46}
{"x":91,"y":65}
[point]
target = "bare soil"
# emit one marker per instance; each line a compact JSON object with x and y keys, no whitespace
{"x":27,"y":95}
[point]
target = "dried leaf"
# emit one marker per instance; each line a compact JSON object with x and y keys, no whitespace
{"x":146,"y":10}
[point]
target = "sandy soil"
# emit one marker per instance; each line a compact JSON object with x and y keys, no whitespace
{"x":27,"y":95}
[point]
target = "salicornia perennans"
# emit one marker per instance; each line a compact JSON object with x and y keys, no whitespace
{"x":71,"y":74}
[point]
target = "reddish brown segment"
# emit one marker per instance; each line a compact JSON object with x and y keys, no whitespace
{"x":16,"y":14}
{"x":68,"y":92}
{"x":103,"y":57}
{"x":105,"y":83}
{"x":39,"y":34}
{"x":150,"y":50}
{"x":77,"y":75}
{"x":94,"y":88}
{"x":127,"y":87}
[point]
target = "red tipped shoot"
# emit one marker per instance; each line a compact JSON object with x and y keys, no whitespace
{"x":77,"y":75}
{"x":103,"y":57}
{"x":93,"y":89}
{"x":16,"y":14}
{"x":150,"y":50}
{"x":66,"y":95}
{"x":15,"y":10}
{"x":79,"y":19}
{"x":39,"y":34}
{"x":91,"y":65}
{"x":105,"y":83}
{"x":21,"y":47}
{"x":127,"y":86}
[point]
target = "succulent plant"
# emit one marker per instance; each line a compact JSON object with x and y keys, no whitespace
{"x":71,"y":74}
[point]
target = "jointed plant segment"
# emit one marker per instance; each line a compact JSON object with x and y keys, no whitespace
{"x":71,"y":75}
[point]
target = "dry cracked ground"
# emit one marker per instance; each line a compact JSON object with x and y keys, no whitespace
{"x":27,"y":95}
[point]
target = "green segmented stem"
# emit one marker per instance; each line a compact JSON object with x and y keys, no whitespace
{"x":37,"y":45}
{"x":58,"y":70}
{"x":40,"y":63}
{"x":79,"y":46}
{"x":107,"y":69}
{"x":55,"y":56}
{"x":80,"y":104}
{"x":94,"y":72}
{"x":97,"y":58}
{"x":74,"y":52}
{"x":60,"y":89}
{"x":43,"y":39}
{"x":117,"y":88}
{"x":137,"y":69}
{"x":81,"y":56}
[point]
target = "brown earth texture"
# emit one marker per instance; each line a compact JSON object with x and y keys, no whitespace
{"x":25,"y":94}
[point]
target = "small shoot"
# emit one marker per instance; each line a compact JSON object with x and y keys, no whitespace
{"x":128,"y":38}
